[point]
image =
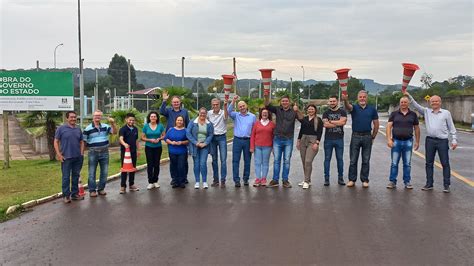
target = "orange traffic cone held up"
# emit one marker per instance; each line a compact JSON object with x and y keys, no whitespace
{"x":228,"y":80}
{"x":343,"y":78}
{"x":266,"y":80}
{"x":127,"y":166}
{"x":408,"y":72}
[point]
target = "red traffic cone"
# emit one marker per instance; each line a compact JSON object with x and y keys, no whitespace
{"x":266,"y":80}
{"x":82,"y":193}
{"x":127,"y":166}
{"x":228,"y":81}
{"x":343,"y":78}
{"x":408,"y":72}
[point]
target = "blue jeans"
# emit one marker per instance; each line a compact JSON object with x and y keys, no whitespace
{"x":178,"y":169}
{"x":100,"y":158}
{"x":219,"y":144}
{"x":282,"y":147}
{"x":338,"y":146}
{"x":401,"y":149}
{"x":359,"y":142}
{"x":200,"y":163}
{"x":240,"y":146}
{"x":71,"y":169}
{"x":262,"y":161}
{"x":433,"y":145}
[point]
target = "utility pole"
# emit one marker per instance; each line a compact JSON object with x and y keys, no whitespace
{"x":249,"y":88}
{"x":235,"y":74}
{"x":81,"y":62}
{"x":37,"y":65}
{"x":376,"y":100}
{"x":96,"y":90}
{"x":182,"y":71}
{"x":197,"y":95}
{"x":291,"y":85}
{"x":129,"y":85}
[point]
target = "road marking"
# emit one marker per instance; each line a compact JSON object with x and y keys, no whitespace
{"x":453,"y":173}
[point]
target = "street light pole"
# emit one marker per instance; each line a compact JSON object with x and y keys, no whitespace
{"x":302,"y":67}
{"x":81,"y":71}
{"x":55,"y":54}
{"x":291,"y":86}
{"x":182,"y":71}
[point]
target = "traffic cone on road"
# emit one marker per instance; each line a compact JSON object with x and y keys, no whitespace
{"x":408,"y":72}
{"x":228,"y":81}
{"x":266,"y":80}
{"x":343,"y":78}
{"x":82,"y":193}
{"x":127,"y":166}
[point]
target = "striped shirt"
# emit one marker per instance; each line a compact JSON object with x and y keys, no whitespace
{"x":97,"y":136}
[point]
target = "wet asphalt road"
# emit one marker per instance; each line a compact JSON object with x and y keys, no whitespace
{"x":324,"y":225}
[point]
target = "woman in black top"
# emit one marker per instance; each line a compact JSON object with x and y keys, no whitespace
{"x":308,"y":141}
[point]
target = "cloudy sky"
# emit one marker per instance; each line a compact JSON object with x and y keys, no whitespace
{"x":370,"y":37}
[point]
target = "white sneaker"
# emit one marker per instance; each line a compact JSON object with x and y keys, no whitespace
{"x":156,"y":185}
{"x":196,"y":186}
{"x":150,"y":186}
{"x":305,"y":185}
{"x":301,"y":183}
{"x":204,"y":185}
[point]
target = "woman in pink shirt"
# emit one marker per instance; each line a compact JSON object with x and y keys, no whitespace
{"x":261,"y":143}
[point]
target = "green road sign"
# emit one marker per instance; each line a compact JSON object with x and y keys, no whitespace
{"x":36,"y":90}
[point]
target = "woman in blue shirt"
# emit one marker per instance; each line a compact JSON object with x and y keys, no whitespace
{"x":200,"y":133}
{"x":152,"y":134}
{"x":178,"y":152}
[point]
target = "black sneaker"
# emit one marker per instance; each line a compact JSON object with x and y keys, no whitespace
{"x":246,"y":183}
{"x":237,"y":184}
{"x":426,"y":188}
{"x":326,"y":183}
{"x":215,"y":184}
{"x":446,"y":189}
{"x":77,"y":197}
{"x":286,"y":184}
{"x":341,"y":182}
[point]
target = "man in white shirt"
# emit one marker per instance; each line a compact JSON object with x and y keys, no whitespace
{"x":218,"y":118}
{"x":439,"y":125}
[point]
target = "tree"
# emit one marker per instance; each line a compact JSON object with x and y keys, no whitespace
{"x":47,"y":121}
{"x":118,"y":70}
{"x":426,"y":80}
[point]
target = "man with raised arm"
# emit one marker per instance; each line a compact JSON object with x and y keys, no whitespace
{"x":283,"y":137}
{"x":363,"y":116}
{"x":439,"y":125}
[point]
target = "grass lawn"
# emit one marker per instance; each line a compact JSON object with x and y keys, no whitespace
{"x":33,"y":179}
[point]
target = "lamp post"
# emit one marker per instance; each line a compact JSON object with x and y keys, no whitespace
{"x":55,"y":54}
{"x":302,"y":67}
{"x":182,"y":71}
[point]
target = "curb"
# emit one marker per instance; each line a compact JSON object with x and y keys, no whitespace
{"x":33,"y":203}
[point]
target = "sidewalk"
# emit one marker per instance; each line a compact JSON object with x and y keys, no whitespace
{"x":20,"y":149}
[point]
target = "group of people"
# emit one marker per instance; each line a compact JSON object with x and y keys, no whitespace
{"x":261,"y":136}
